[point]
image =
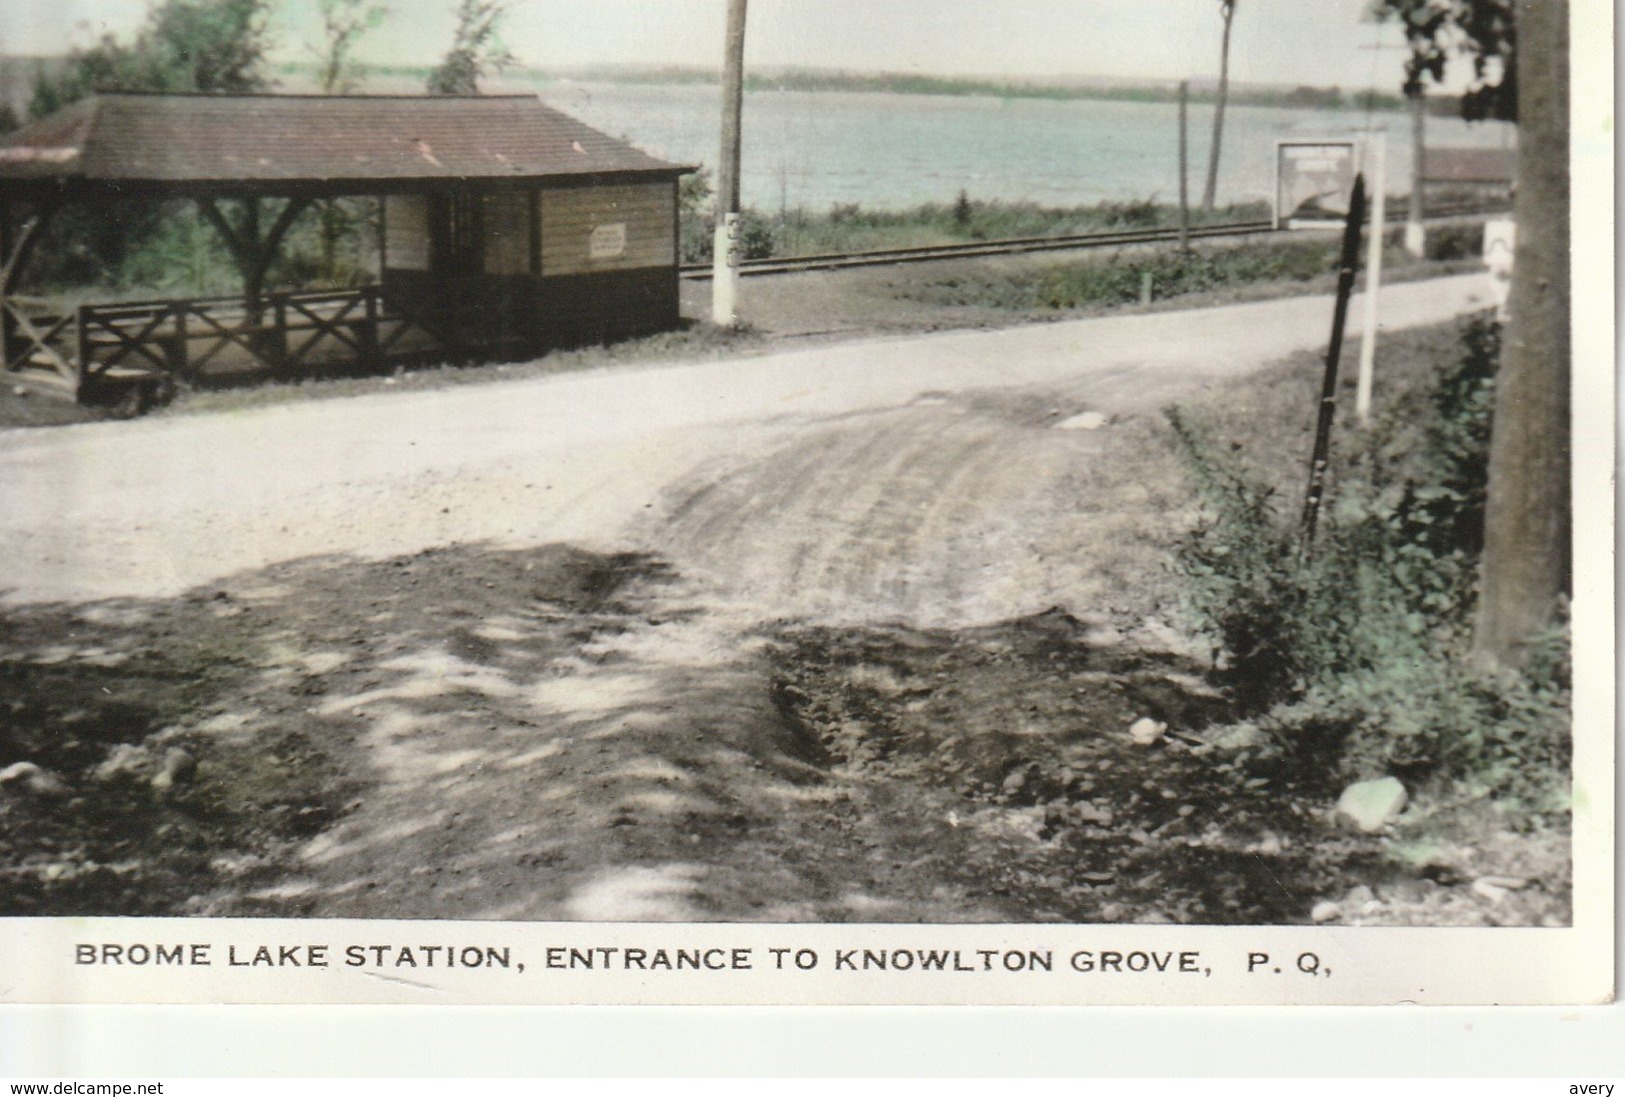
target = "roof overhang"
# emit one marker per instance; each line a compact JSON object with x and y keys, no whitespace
{"x":311,"y":146}
{"x":71,"y":189}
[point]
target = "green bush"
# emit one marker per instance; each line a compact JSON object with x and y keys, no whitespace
{"x":697,"y":237}
{"x":1359,"y":650}
{"x":697,"y":226}
{"x":1118,"y":280}
{"x":1449,"y":242}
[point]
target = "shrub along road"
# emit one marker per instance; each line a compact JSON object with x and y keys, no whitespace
{"x":853,"y":632}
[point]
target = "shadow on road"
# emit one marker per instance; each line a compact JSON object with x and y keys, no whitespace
{"x":557,"y":734}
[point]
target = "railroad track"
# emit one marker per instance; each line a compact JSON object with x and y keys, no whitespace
{"x":1017,"y":246}
{"x":888,"y":256}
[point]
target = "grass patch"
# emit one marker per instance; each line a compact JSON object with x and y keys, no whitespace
{"x":1214,"y":271}
{"x":851,"y":227}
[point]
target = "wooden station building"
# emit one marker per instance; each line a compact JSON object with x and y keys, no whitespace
{"x":507,"y":228}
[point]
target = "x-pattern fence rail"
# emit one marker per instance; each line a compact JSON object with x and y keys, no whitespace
{"x":286,"y":333}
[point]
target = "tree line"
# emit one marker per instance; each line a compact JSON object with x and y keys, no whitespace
{"x":223,"y":46}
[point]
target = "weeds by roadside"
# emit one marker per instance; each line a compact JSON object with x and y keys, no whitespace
{"x":1357,"y":655}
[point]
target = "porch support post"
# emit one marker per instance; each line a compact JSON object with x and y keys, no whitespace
{"x":19,"y":248}
{"x":252,"y":252}
{"x":16,"y":248}
{"x":5,"y":314}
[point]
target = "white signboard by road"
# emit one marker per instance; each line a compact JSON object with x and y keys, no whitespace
{"x":1313,"y":181}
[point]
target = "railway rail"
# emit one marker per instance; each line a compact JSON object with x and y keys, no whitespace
{"x":1016,"y":246}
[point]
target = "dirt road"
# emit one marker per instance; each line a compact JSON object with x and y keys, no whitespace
{"x":155,"y":507}
{"x":496,"y":725}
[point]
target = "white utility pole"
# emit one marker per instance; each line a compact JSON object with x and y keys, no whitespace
{"x":1415,"y":232}
{"x":1377,"y":142}
{"x":725,"y":245}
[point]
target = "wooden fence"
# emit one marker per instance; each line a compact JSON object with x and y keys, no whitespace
{"x":288,"y":334}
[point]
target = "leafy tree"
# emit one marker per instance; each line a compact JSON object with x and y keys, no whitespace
{"x":476,"y":49}
{"x":1519,"y":53}
{"x":1227,"y":11}
{"x":185,"y":46}
{"x":343,"y":24}
{"x":1485,"y":31}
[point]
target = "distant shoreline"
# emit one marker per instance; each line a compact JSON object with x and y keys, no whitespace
{"x":891,"y":83}
{"x":17,"y":73}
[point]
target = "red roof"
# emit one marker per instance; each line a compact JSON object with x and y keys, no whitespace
{"x":287,"y":138}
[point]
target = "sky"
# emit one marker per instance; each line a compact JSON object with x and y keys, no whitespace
{"x":1319,"y":42}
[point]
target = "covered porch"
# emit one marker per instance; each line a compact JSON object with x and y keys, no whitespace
{"x":497,"y":221}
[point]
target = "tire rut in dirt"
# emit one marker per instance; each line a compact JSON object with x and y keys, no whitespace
{"x":900,"y":513}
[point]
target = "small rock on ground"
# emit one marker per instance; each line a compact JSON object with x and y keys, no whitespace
{"x":1368,"y":806}
{"x":1146,"y":731}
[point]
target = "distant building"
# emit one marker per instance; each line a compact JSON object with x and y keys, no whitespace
{"x":1481,"y":173}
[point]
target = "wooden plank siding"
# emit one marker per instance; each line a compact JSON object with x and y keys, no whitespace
{"x":406,"y":231}
{"x":507,"y":233}
{"x":559,"y":266}
{"x":571,"y":215}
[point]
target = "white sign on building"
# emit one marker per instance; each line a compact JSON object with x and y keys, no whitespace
{"x":608,"y":241}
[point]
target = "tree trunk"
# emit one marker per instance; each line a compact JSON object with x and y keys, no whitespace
{"x":1210,"y":191}
{"x":1526,"y":522}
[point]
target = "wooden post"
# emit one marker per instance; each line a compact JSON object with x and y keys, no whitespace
{"x":254,"y":274}
{"x":183,"y":347}
{"x":5,"y":254}
{"x":369,"y":338}
{"x":252,"y":252}
{"x":1184,"y":166}
{"x":1373,"y":276}
{"x":16,"y":248}
{"x":725,"y":244}
{"x":81,"y":344}
{"x":1347,"y":266}
{"x":278,"y":345}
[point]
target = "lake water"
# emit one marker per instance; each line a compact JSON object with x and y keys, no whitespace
{"x":813,"y":149}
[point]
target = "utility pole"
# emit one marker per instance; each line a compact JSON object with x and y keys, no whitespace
{"x":1377,"y":142}
{"x":1415,"y":233}
{"x":1416,"y":103}
{"x":725,"y":245}
{"x":1184,"y":166}
{"x":1227,"y":12}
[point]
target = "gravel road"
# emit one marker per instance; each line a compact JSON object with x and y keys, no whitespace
{"x":751,"y":467}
